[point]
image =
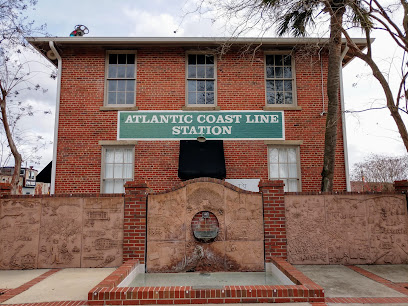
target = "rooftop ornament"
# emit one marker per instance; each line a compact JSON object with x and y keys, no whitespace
{"x":80,"y":30}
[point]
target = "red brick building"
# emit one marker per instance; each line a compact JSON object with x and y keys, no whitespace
{"x":99,"y":77}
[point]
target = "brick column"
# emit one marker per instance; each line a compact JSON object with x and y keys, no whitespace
{"x":134,"y":233}
{"x":274,"y":219}
{"x":402,"y":186}
{"x":5,"y":189}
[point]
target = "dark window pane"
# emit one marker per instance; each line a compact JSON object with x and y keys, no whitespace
{"x":113,"y":59}
{"x":288,"y":98}
{"x":200,"y":98}
{"x":278,"y":60}
{"x":209,"y":72}
{"x":287,"y":60}
{"x":121,"y":71}
{"x":122,"y":59}
{"x":270,"y":86}
{"x":200,"y":71}
{"x":288,"y":85}
{"x":130,"y":71}
{"x":279,"y":85}
{"x":200,"y":85}
{"x":130,"y":97}
{"x":112,"y":98}
{"x":210,"y":98}
{"x":192,"y":86}
{"x":112,"y":85}
{"x":287,"y":72}
{"x":200,"y":59}
{"x":130,"y":85}
{"x":112,"y":69}
{"x":121,"y":98}
{"x":270,"y":60}
{"x":279,"y":98}
{"x":270,"y":98}
{"x":192,"y":98}
{"x":121,"y":85}
{"x":130,"y":59}
{"x":278,"y":72}
{"x":192,"y":59}
{"x":191,"y":71}
{"x":270,"y":72}
{"x":209,"y":59}
{"x":209,"y":85}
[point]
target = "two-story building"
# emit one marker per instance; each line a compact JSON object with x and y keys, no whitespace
{"x":164,"y":110}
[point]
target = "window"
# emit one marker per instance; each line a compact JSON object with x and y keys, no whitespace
{"x":280,"y":83}
{"x":201,"y":85}
{"x":284,"y":165}
{"x":117,"y":168}
{"x":120,"y":78}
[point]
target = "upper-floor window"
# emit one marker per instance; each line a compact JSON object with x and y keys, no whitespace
{"x":201,"y":80}
{"x":120,"y":78}
{"x":280,"y":84}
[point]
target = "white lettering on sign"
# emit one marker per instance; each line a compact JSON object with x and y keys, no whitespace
{"x":201,"y":130}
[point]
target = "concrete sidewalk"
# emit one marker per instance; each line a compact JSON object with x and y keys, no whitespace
{"x":344,"y":285}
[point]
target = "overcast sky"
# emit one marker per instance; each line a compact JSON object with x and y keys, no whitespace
{"x":368,"y":132}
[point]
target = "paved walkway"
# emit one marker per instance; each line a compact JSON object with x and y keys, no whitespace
{"x":344,"y":285}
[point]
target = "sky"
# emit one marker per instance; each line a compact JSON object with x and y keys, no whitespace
{"x":367,"y":132}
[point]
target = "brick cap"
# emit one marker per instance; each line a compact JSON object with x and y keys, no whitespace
{"x":5,"y":186}
{"x":136,"y":184}
{"x":268,"y":183}
{"x":403,"y":183}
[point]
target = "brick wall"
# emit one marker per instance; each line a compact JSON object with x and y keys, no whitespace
{"x":161,"y":86}
{"x":274,"y":219}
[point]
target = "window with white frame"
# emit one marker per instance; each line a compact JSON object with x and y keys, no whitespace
{"x":284,"y":165}
{"x":117,"y":168}
{"x":280,"y":84}
{"x":120,"y":78}
{"x":201,"y":81}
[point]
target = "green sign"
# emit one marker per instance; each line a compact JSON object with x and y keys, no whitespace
{"x":173,"y":125}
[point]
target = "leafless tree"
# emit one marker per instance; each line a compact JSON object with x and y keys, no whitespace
{"x":16,"y":75}
{"x":381,"y":170}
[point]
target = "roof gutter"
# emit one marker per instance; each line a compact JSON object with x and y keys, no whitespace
{"x":343,"y":122}
{"x":57,"y":105}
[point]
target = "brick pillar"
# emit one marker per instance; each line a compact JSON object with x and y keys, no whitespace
{"x":274,"y":219}
{"x":5,"y":189}
{"x":402,"y":186}
{"x":134,"y":233}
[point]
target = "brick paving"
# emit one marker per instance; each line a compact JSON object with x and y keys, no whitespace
{"x":6,"y":294}
{"x":13,"y":292}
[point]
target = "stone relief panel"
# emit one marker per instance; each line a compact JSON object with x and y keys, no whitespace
{"x":60,"y":233}
{"x":19,"y":227}
{"x":347,"y":229}
{"x":102,"y":235}
{"x":238,"y":246}
{"x":166,"y":216}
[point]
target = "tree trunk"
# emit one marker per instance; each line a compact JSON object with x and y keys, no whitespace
{"x":333,"y":89}
{"x":12,"y":145}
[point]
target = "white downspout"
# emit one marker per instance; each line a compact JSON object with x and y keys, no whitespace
{"x":54,"y":153}
{"x":343,"y":122}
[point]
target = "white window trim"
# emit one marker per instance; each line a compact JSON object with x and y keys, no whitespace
{"x":297,"y":163}
{"x":107,"y":106}
{"x":294,"y":87}
{"x":215,"y":81}
{"x":103,"y":155}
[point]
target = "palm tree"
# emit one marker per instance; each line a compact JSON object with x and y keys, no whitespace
{"x":294,"y":17}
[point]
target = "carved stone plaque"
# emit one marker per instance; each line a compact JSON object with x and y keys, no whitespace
{"x":19,"y":228}
{"x":238,"y":245}
{"x":347,"y":229}
{"x":60,"y":233}
{"x":102,"y":236}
